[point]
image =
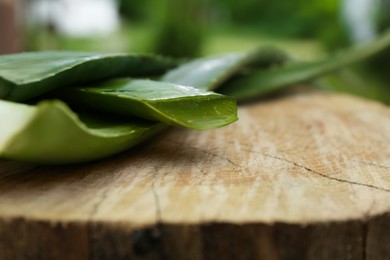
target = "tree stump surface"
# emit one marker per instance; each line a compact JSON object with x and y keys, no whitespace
{"x":306,"y":176}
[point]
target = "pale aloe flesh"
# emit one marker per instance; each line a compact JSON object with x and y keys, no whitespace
{"x":157,"y":101}
{"x":31,"y":74}
{"x":50,"y":133}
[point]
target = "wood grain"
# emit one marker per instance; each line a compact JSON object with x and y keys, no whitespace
{"x":301,"y":177}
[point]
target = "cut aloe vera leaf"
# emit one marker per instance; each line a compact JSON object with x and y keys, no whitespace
{"x":267,"y":81}
{"x":50,"y":133}
{"x":165,"y":102}
{"x":31,"y":74}
{"x":210,"y":72}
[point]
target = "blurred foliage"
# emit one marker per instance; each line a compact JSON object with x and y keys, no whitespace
{"x":294,"y":18}
{"x":133,"y":10}
{"x":358,"y":81}
{"x":180,"y":28}
{"x":189,"y":28}
{"x":182,"y":21}
{"x":377,"y":68}
{"x":177,"y":25}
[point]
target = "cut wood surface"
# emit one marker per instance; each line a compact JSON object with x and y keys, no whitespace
{"x":303,"y":176}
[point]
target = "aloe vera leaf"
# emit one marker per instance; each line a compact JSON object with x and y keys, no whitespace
{"x":210,"y":72}
{"x":27,"y":141}
{"x":50,"y":133}
{"x":356,"y":81}
{"x":264,"y":82}
{"x":35,"y":136}
{"x":157,"y":101}
{"x":31,"y":74}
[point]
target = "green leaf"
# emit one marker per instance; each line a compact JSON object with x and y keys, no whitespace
{"x":210,"y":72}
{"x":264,"y":82}
{"x":50,"y":133}
{"x":158,"y":101}
{"x":28,"y":75}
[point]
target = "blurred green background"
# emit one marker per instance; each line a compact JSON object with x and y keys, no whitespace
{"x":307,"y":30}
{"x":189,"y":28}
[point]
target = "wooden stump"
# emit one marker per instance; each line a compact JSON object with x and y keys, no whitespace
{"x":302,"y":177}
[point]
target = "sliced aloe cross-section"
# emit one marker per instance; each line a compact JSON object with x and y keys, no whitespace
{"x":50,"y":133}
{"x":31,"y":74}
{"x":157,"y":101}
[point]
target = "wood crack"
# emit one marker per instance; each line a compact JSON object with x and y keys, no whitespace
{"x":365,"y":226}
{"x":103,"y":197}
{"x":326,"y":176}
{"x":158,"y":229}
{"x":217,"y":155}
{"x":208,"y":152}
{"x":156,"y":203}
{"x":97,"y":205}
{"x":374,"y":164}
